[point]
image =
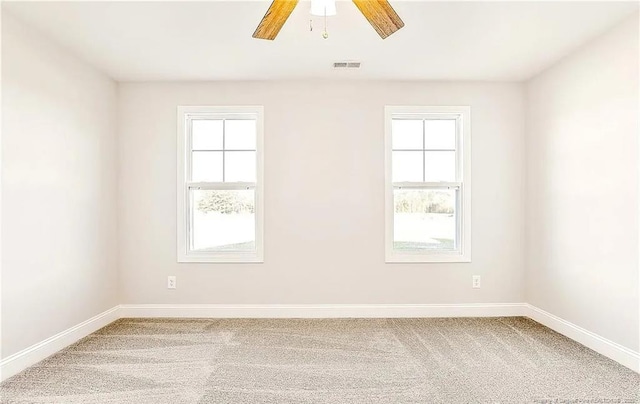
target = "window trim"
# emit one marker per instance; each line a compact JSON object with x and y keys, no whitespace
{"x":184,"y":255}
{"x":463,"y":183}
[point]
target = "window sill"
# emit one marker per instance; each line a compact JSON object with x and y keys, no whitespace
{"x":426,"y":258}
{"x":222,"y":259}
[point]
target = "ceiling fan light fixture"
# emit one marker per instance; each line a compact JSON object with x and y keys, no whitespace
{"x":382,"y":17}
{"x":322,"y":8}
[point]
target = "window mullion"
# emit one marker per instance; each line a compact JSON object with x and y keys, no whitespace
{"x":424,"y":152}
{"x":458,"y":152}
{"x":224,"y":131}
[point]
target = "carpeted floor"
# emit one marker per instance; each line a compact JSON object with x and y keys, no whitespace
{"x":333,"y":361}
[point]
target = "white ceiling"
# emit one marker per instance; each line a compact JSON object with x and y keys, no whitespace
{"x":146,"y":41}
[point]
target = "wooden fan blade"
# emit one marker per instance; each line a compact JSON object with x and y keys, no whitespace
{"x":380,"y":15}
{"x":274,"y":19}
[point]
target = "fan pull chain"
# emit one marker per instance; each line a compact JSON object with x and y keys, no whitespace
{"x":325,"y":34}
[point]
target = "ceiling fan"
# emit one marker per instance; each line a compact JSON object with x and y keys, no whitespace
{"x":379,"y":13}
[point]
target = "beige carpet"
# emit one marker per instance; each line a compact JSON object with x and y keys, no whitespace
{"x":464,"y":360}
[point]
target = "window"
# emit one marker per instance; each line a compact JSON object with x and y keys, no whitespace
{"x":428,"y":184}
{"x":220,"y":184}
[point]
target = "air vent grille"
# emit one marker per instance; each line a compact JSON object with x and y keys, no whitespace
{"x":346,"y":65}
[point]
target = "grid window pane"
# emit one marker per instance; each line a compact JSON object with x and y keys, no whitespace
{"x":223,"y":220}
{"x":424,"y":219}
{"x":440,"y":134}
{"x":240,"y":134}
{"x":406,"y":134}
{"x":206,"y":166}
{"x":240,"y":166}
{"x":439,"y":166}
{"x":206,"y":134}
{"x":407,"y":166}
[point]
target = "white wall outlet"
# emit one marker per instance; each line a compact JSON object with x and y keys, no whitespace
{"x":171,"y":282}
{"x":476,"y":282}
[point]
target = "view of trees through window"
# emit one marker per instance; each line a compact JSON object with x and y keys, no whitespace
{"x":425,"y":202}
{"x":226,"y":202}
{"x":424,"y":219}
{"x":224,"y":220}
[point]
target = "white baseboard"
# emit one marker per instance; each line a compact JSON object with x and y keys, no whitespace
{"x":19,"y":361}
{"x":603,"y":346}
{"x":322,"y":310}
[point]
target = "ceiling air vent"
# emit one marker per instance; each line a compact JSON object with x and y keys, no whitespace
{"x":346,"y":65}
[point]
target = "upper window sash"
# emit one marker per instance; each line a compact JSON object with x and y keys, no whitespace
{"x":223,"y":147}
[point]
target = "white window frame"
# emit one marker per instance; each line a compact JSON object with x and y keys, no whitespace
{"x":185,"y":113}
{"x":463,"y":184}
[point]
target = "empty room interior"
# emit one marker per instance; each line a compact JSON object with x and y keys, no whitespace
{"x":321,"y":201}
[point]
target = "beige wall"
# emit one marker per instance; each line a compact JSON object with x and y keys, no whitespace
{"x":324,"y":195}
{"x":58,"y":189}
{"x":582,"y":187}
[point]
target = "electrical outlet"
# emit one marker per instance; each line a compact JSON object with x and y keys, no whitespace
{"x":476,"y":282}
{"x":171,"y":282}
